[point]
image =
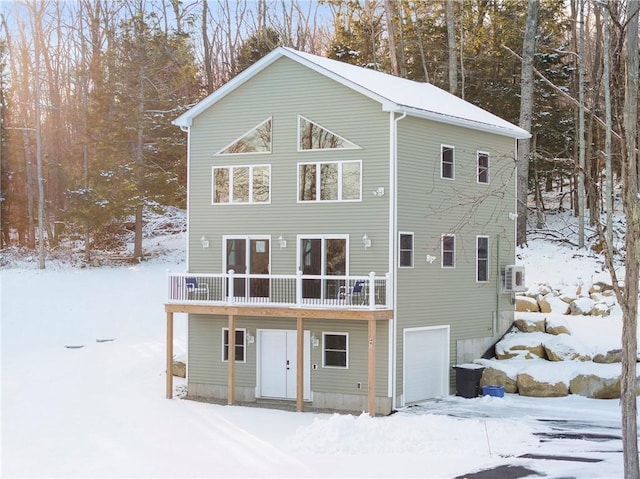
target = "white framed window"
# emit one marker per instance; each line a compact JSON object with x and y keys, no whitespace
{"x":447,"y":162}
{"x":335,"y":350}
{"x":241,"y":346}
{"x":236,"y":185}
{"x":405,"y":250}
{"x":255,"y":141}
{"x":312,"y":136}
{"x":483,"y":167}
{"x":482,"y":259}
{"x":448,"y":251}
{"x":330,"y":181}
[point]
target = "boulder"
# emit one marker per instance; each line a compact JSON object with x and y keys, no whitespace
{"x":530,"y":323}
{"x":556,"y":324}
{"x":524,"y":346}
{"x":568,"y":298}
{"x":613,"y":356}
{"x":600,"y":309}
{"x":601,"y":287}
{"x":592,"y":386}
{"x":543,"y":304}
{"x":563,"y":348}
{"x":528,"y":386}
{"x":581,"y":306}
{"x":526,"y":304}
{"x":496,"y":377}
{"x":180,"y":369}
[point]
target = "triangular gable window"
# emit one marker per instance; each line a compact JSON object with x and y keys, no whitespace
{"x":256,"y":140}
{"x":315,"y":137}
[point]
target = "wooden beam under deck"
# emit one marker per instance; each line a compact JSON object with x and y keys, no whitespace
{"x":231,"y":360}
{"x":169,"y":355}
{"x":300,"y":365}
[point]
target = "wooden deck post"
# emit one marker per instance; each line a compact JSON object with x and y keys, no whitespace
{"x":231,"y":360}
{"x":169,"y":355}
{"x":371,"y":387}
{"x":300,"y":365}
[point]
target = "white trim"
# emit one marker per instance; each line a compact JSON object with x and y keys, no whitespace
{"x":453,"y":163}
{"x":318,"y":165}
{"x":189,"y":232}
{"x":488,"y":260}
{"x":335,"y":333}
{"x":478,"y":153}
{"x":219,"y":153}
{"x":413,"y":249}
{"x":244,"y":345}
{"x":247,"y":251}
{"x":442,"y":265}
{"x":250,"y":185}
{"x":445,"y":380}
{"x":301,"y":150}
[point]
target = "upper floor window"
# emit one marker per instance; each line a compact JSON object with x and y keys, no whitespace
{"x":330,"y":181}
{"x":241,"y":184}
{"x":312,"y":136}
{"x":483,"y":167}
{"x":256,"y":140}
{"x":446,"y":162}
{"x":448,"y":251}
{"x":482,"y":258}
{"x":406,"y":250}
{"x":240,"y":353}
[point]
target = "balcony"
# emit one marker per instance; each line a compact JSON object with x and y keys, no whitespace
{"x":285,"y":291}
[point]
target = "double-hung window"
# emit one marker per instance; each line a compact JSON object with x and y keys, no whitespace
{"x":330,"y":181}
{"x":335,"y":350}
{"x":241,"y":184}
{"x":482,"y":259}
{"x":483,"y":167}
{"x":447,"y":169}
{"x":240,"y":354}
{"x":448,"y":251}
{"x":406,"y":250}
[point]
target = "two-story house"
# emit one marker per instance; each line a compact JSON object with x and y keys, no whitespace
{"x":348,"y":236}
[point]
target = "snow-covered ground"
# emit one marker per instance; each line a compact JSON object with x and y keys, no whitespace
{"x":99,"y":410}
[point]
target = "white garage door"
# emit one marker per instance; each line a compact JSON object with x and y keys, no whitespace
{"x":426,"y":363}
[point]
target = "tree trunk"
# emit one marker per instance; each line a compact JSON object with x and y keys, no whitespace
{"x":581,"y":140}
{"x":393,"y":51}
{"x":451,"y":43}
{"x":632,"y":266}
{"x":607,"y":142}
{"x":526,"y":108}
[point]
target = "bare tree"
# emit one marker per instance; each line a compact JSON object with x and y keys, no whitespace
{"x":581,"y":139}
{"x":526,"y":109}
{"x":451,"y":43}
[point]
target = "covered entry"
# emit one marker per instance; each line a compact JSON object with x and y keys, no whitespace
{"x":277,"y":364}
{"x":426,"y":363}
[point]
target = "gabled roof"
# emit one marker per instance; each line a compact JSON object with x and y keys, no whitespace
{"x":393,"y":93}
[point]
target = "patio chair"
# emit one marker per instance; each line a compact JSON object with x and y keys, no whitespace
{"x":196,"y":290}
{"x":355,"y":294}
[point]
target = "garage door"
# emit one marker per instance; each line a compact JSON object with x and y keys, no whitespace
{"x":426,"y":363}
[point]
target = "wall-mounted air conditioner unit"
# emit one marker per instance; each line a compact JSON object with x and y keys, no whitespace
{"x":513,"y":279}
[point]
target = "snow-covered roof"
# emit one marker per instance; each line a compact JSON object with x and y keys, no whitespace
{"x":394,"y":94}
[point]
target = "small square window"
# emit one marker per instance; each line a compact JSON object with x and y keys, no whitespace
{"x":335,"y":350}
{"x":447,"y":162}
{"x":448,"y":251}
{"x":240,"y":345}
{"x":406,"y":250}
{"x":483,"y":168}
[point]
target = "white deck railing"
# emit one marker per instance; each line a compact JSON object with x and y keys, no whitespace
{"x":298,"y":290}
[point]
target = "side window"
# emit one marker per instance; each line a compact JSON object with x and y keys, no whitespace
{"x":483,"y":167}
{"x":240,"y":345}
{"x":335,"y":350}
{"x":406,"y":250}
{"x":482,"y":259}
{"x":312,"y":136}
{"x":448,"y":251}
{"x":241,"y":184}
{"x":447,"y":169}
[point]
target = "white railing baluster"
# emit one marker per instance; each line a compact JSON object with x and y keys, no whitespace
{"x":231,"y":286}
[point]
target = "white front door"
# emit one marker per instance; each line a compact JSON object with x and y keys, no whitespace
{"x":277,"y":364}
{"x":426,"y":363}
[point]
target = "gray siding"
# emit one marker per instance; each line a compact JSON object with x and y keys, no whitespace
{"x":282,"y":91}
{"x":428,"y":206}
{"x":205,"y":365}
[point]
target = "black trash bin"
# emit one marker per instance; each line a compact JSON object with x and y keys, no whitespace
{"x":468,"y":380}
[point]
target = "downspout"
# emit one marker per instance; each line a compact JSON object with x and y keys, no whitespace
{"x":187,"y":129}
{"x":393,"y":252}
